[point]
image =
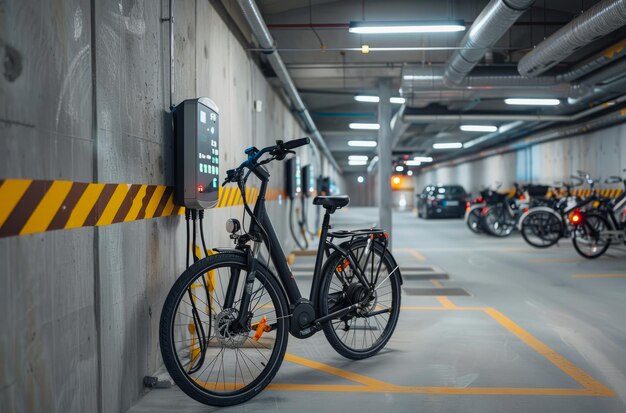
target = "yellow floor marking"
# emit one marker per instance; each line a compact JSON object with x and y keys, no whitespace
{"x":417,"y":255}
{"x":436,"y":283}
{"x":555,"y":358}
{"x":425,"y":308}
{"x":443,"y":300}
{"x":348,"y":375}
{"x":368,"y":385}
{"x":446,"y":303}
{"x":598,"y":275}
{"x":553,"y":260}
{"x":431,"y":390}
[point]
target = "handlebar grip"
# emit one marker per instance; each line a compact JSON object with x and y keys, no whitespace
{"x":296,"y":143}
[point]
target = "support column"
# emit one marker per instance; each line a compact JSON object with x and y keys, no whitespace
{"x":384,"y":154}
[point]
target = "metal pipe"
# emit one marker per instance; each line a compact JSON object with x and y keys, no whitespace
{"x":264,"y":38}
{"x":600,"y":20}
{"x":495,"y":19}
{"x":513,"y":116}
{"x":615,"y":117}
{"x":606,"y":56}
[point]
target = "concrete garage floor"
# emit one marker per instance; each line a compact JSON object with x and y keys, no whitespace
{"x":542,"y":331}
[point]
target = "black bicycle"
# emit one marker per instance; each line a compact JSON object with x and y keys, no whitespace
{"x":226,"y":320}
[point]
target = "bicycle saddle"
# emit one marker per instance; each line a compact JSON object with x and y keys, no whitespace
{"x":332,"y":202}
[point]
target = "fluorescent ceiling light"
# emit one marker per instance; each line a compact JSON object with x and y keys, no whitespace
{"x":376,"y":99}
{"x":357,"y":163}
{"x":399,"y":168}
{"x":478,"y":128}
{"x":358,"y":157}
{"x":448,"y":145}
{"x":363,"y":144}
{"x":423,"y":159}
{"x":366,"y":126}
{"x":533,"y":102}
{"x":413,"y":162}
{"x":426,"y":26}
{"x":421,"y":77}
{"x":366,"y":98}
{"x":409,"y":172}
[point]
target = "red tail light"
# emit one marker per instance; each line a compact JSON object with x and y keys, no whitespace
{"x":522,"y":197}
{"x":525,"y":209}
{"x":467,"y":205}
{"x":576,"y":217}
{"x":479,"y":199}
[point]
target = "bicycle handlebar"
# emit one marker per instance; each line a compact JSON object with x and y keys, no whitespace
{"x":278,"y":151}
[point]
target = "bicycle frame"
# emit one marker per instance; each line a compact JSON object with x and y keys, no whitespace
{"x":263,"y":225}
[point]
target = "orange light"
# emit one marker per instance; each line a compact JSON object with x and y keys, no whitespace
{"x":396,"y":180}
{"x":522,"y":197}
{"x":576,"y":217}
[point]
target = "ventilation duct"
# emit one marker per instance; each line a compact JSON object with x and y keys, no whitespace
{"x":495,"y":19}
{"x":600,"y":20}
{"x":265,"y":40}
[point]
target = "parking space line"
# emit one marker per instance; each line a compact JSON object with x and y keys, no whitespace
{"x":555,"y":358}
{"x":552,"y":260}
{"x":591,"y":387}
{"x":416,"y":254}
{"x":443,"y":300}
{"x":348,"y":375}
{"x":598,"y":275}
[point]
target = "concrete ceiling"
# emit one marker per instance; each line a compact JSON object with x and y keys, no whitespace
{"x":312,"y":39}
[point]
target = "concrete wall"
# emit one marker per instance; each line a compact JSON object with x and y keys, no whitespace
{"x":601,"y":153}
{"x":79,"y":308}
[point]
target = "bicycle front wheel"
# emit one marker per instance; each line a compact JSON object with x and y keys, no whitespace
{"x":210,"y":357}
{"x":362,"y":333}
{"x":541,"y":229}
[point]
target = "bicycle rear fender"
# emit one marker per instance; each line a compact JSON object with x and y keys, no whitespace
{"x":537,"y":209}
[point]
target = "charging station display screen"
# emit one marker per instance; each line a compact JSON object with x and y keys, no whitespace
{"x":208,"y":162}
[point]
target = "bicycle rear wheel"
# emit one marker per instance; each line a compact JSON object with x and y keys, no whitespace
{"x":362,"y":333}
{"x":210,"y":359}
{"x":590,"y":239}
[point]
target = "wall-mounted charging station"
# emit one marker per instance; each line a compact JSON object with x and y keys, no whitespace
{"x":308,"y":180}
{"x":196,"y":130}
{"x":293,"y":178}
{"x":323,"y":185}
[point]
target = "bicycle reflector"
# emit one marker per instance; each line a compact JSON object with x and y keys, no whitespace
{"x":576,"y":217}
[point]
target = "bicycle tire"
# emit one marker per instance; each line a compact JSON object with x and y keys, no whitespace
{"x":526,"y":226}
{"x":395,"y":284}
{"x":601,"y":251}
{"x":168,"y":342}
{"x":493,"y":224}
{"x":473,"y":220}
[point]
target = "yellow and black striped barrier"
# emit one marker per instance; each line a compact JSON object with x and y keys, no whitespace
{"x":28,"y":206}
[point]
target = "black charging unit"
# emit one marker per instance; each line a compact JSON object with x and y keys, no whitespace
{"x":196,"y":130}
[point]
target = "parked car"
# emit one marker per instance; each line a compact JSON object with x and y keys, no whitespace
{"x":442,"y":201}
